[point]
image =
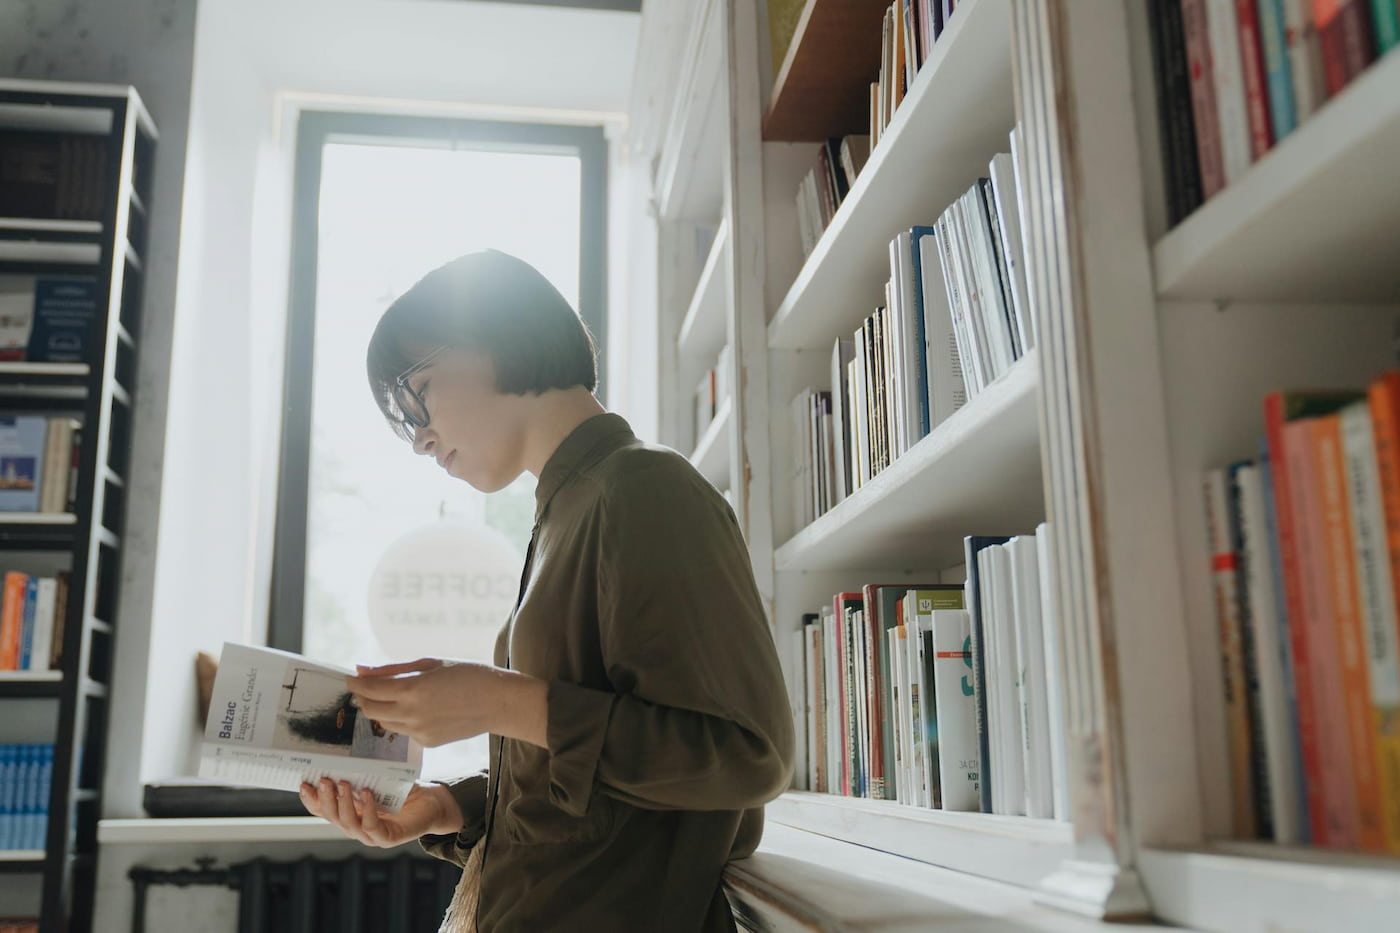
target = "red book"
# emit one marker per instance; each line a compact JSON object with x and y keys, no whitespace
{"x":1279,"y":408}
{"x":1203,"y":104}
{"x":12,"y":619}
{"x":1348,"y":46}
{"x":1385,"y":422}
{"x":1256,"y":81}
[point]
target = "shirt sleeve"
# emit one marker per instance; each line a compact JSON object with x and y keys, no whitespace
{"x":698,"y":717}
{"x":470,"y":794}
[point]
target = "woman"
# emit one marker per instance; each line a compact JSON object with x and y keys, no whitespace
{"x":636,"y":705}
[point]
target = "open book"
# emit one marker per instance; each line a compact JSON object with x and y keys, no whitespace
{"x":277,"y":719}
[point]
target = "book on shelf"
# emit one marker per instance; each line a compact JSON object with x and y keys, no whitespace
{"x":826,"y":184}
{"x":1233,"y":77}
{"x":52,"y":176}
{"x":31,"y":621}
{"x":26,"y":775}
{"x":910,"y":30}
{"x":1304,"y":565}
{"x":38,"y":457}
{"x":278,"y":719}
{"x":893,"y":698}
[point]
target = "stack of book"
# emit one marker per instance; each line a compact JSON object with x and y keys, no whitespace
{"x":26,"y":773}
{"x":826,"y":185}
{"x":956,"y":316}
{"x":1236,"y":76}
{"x":52,"y":176}
{"x":941,"y":696}
{"x":32,"y":614}
{"x":1305,"y":560}
{"x":38,"y":463}
{"x":911,"y":27}
{"x":711,"y":393}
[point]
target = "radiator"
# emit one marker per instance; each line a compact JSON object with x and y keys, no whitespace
{"x":353,"y":895}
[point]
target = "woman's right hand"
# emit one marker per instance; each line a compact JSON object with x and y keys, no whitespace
{"x":429,"y":809}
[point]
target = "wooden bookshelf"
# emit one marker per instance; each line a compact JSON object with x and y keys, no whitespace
{"x":957,"y":116}
{"x":1316,"y":219}
{"x":822,"y":86}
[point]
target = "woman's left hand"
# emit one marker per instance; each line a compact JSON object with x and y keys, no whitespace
{"x":435,"y":701}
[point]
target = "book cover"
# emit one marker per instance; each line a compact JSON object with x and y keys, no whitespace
{"x":1008,"y":742}
{"x":277,"y":720}
{"x":844,"y":604}
{"x":956,"y":710}
{"x":966,"y":291}
{"x":1054,"y":673}
{"x":1176,"y":124}
{"x":1344,"y":34}
{"x":988,"y":295}
{"x":1376,"y":604}
{"x":1273,"y":35}
{"x":1261,"y":133}
{"x":8,"y":785}
{"x":65,"y":310}
{"x":1279,"y":409}
{"x":921,"y":375}
{"x":22,"y":439}
{"x":1007,"y":211}
{"x":12,"y":619}
{"x":1338,"y":825}
{"x":1339,"y":563}
{"x":951,"y":285}
{"x":1304,"y":58}
{"x":42,"y":654}
{"x":946,"y":388}
{"x":835,"y":722}
{"x":1205,"y":109}
{"x":1277,"y":719}
{"x":1385,"y":20}
{"x":1017,"y":329}
{"x":921,"y":714}
{"x":895,"y":702}
{"x":1031,"y":669}
{"x":26,"y":637}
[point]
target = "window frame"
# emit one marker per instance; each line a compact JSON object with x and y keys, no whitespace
{"x":315,"y":129}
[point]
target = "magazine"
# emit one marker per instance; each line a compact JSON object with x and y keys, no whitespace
{"x":277,"y":719}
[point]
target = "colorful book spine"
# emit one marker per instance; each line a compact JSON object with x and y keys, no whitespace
{"x":1228,"y":66}
{"x":1256,"y":86}
{"x":12,"y":620}
{"x":1344,"y":31}
{"x":1204,"y":106}
{"x":30,"y":614}
{"x":955,"y":702}
{"x":1340,"y":564}
{"x":1385,"y":18}
{"x":1273,"y":34}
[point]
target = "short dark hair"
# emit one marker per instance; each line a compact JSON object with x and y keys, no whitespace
{"x":491,"y":302}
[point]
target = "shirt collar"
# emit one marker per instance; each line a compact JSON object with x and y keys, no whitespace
{"x":586,"y":444}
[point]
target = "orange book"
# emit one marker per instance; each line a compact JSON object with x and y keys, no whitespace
{"x":1339,"y":556}
{"x":12,"y":619}
{"x":1385,"y":421}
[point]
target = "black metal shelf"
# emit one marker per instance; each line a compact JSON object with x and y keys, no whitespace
{"x":17,"y":687}
{"x":36,"y":536}
{"x":21,"y":866}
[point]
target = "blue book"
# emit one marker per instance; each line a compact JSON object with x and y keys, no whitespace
{"x":22,"y":440}
{"x":8,"y":775}
{"x":64,"y":312}
{"x":26,"y":632}
{"x":1274,"y":37}
{"x":916,"y":234}
{"x":45,"y":788}
{"x":1266,"y":475}
{"x":29,"y":781}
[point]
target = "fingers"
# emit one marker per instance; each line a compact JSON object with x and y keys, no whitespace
{"x":373,"y":825}
{"x":376,"y":688}
{"x":379,"y":710}
{"x":405,"y":667}
{"x":338,"y":804}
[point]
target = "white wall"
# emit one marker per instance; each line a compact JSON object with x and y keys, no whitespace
{"x":256,"y":63}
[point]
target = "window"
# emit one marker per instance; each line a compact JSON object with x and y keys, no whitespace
{"x":380,"y":556}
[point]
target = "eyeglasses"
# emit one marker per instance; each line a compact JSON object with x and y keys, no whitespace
{"x":413,"y":410}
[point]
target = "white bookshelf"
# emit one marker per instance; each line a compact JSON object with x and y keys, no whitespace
{"x":20,"y":368}
{"x":711,"y":456}
{"x":39,"y":225}
{"x":204,"y":830}
{"x":703,"y":329}
{"x":957,"y":116}
{"x":50,"y":252}
{"x":38,"y":518}
{"x":30,"y":677}
{"x":976,"y":473}
{"x":1316,"y":220}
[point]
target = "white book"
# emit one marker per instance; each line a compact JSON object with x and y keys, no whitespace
{"x":945,"y":390}
{"x":1228,"y":68}
{"x":989,"y":348}
{"x":812,"y":675}
{"x":1006,"y":732}
{"x":1054,"y":674}
{"x":795,"y":673}
{"x":800,"y":507}
{"x":914,"y":397}
{"x":959,"y":767}
{"x":1304,"y":58}
{"x":45,"y":604}
{"x":1280,"y":739}
{"x":1024,"y":221}
{"x":1003,"y":176}
{"x":842,"y":352}
{"x":1001,"y":275}
{"x":972,"y":368}
{"x":925,"y":766}
{"x":1030,"y":655}
{"x":1001,"y":342}
{"x":831,"y":660}
{"x":804,"y":229}
{"x":995,"y":764}
{"x":862,"y":410}
{"x":279,"y":720}
{"x":896,"y":695}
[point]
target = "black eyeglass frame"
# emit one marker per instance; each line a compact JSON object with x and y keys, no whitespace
{"x":413,"y":415}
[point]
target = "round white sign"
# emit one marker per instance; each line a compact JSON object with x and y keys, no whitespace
{"x":444,"y":590}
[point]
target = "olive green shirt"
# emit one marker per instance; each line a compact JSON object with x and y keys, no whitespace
{"x":668,"y":723}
